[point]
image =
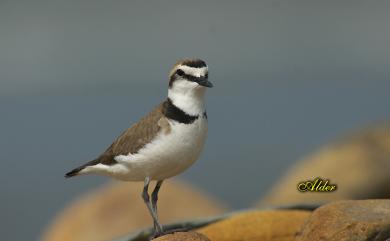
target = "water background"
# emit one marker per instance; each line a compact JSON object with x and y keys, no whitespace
{"x":289,"y":76}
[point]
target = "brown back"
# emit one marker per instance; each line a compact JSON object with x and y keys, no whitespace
{"x":134,"y":138}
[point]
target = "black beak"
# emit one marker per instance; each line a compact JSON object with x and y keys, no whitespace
{"x":204,"y":82}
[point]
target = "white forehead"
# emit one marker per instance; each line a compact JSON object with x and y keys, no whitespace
{"x":193,"y":71}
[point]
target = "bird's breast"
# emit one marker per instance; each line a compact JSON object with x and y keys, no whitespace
{"x":169,"y":153}
{"x":186,"y":139}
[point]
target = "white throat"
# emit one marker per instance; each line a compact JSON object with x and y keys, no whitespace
{"x":189,"y":100}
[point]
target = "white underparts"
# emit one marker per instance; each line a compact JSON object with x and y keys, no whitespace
{"x":166,"y":156}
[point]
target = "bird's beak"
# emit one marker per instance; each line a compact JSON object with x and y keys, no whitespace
{"x":204,"y":82}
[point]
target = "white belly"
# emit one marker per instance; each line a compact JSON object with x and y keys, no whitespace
{"x":166,"y":156}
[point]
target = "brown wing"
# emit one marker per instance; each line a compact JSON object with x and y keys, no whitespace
{"x":131,"y":140}
{"x":134,"y":138}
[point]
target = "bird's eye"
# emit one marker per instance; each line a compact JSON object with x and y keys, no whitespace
{"x":206,"y":75}
{"x":180,"y":72}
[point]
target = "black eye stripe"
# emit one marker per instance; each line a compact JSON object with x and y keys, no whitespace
{"x":180,"y":72}
{"x":189,"y":77}
{"x":192,"y":78}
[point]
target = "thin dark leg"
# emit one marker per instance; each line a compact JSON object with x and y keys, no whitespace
{"x":155,"y":194}
{"x":154,"y":203}
{"x":145,"y":196}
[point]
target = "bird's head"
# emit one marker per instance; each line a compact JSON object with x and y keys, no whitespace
{"x":189,"y":74}
{"x":188,"y":82}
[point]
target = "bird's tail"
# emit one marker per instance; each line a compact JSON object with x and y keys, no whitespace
{"x":77,"y":170}
{"x":74,"y":172}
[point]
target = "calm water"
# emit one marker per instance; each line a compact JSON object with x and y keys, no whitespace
{"x":288,"y":78}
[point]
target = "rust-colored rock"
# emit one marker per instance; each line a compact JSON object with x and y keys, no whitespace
{"x":183,"y":236}
{"x":359,"y":165}
{"x":278,"y":225}
{"x":118,"y":209}
{"x":367,"y":220}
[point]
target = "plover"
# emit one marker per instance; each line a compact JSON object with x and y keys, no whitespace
{"x":165,"y":142}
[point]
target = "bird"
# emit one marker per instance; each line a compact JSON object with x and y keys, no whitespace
{"x":165,"y":142}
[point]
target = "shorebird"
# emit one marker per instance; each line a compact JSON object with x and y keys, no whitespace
{"x":165,"y":142}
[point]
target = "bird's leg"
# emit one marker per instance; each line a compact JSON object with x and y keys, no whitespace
{"x":157,"y":224}
{"x":146,"y":198}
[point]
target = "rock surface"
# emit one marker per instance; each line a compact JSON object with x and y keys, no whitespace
{"x":281,"y":225}
{"x":359,"y":165}
{"x":183,"y":236}
{"x":367,"y":220}
{"x":118,"y":209}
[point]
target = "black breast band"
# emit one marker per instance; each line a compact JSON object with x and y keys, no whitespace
{"x":173,"y":112}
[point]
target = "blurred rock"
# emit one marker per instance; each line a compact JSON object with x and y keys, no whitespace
{"x":117,"y":209}
{"x":282,"y":225}
{"x":349,"y":221}
{"x":183,"y":236}
{"x":359,"y":165}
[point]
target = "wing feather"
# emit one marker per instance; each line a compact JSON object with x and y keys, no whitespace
{"x":135,"y":137}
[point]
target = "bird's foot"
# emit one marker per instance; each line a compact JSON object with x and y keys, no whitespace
{"x":158,"y":231}
{"x":165,"y":232}
{"x":157,"y":234}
